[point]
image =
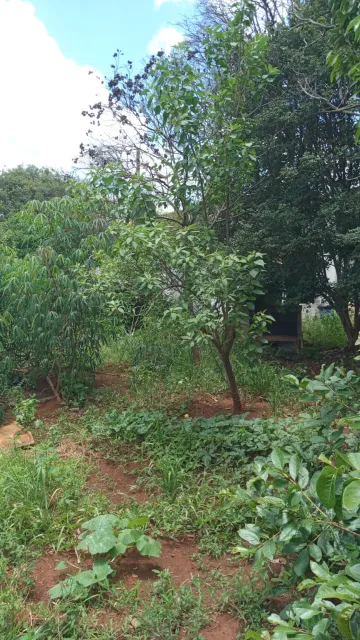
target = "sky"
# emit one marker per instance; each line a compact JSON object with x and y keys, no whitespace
{"x":48,"y":47}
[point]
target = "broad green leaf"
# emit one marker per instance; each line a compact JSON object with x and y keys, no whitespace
{"x":129,"y":536}
{"x":63,"y":589}
{"x":303,"y":477}
{"x":315,"y":552}
{"x":351,"y":495}
{"x":289,"y":532}
{"x":353,"y":571}
{"x":344,"y":622}
{"x":61,"y":566}
{"x":354,"y":459}
{"x":325,"y":487}
{"x":250,"y":536}
{"x":302,"y":562}
{"x":118,"y":550}
{"x":138,"y":522}
{"x":321,"y":571}
{"x":101,"y":568}
{"x":106,"y":521}
{"x":278,"y":458}
{"x":101,"y":541}
{"x":294,"y":466}
{"x":86,"y":578}
{"x":269,"y":549}
{"x":148,"y":547}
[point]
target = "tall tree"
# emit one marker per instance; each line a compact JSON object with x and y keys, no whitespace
{"x":303,"y":208}
{"x":22,"y":184}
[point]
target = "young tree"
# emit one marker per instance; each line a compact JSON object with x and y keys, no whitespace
{"x":183,"y":130}
{"x":209,"y":292}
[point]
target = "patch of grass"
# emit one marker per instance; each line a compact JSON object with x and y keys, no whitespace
{"x":39,"y":497}
{"x":162,"y":373}
{"x":169,"y":611}
{"x":325,"y":332}
{"x":247,"y":600}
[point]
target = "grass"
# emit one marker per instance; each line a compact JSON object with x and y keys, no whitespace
{"x":188,"y":469}
{"x":162,"y":373}
{"x":325,"y":332}
{"x":39,"y":498}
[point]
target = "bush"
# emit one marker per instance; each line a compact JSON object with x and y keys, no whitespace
{"x":326,"y":332}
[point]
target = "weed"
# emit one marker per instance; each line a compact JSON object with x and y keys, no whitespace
{"x":325,"y":332}
{"x":247,"y":600}
{"x":170,"y":611}
{"x":25,"y":411}
{"x":39,"y":494}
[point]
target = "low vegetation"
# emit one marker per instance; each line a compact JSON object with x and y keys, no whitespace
{"x":186,"y":480}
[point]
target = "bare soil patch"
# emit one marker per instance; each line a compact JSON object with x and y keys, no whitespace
{"x":208,"y":405}
{"x":224,"y":627}
{"x":114,"y":482}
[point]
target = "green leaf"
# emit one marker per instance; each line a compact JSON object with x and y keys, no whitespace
{"x":278,"y":458}
{"x":321,"y":571}
{"x":325,"y":487}
{"x":353,"y":571}
{"x":101,"y":568}
{"x":315,"y":552}
{"x":344,"y":622}
{"x":250,"y":536}
{"x":100,"y":541}
{"x":63,"y":589}
{"x":148,"y":547}
{"x":351,"y":495}
{"x":86,"y":578}
{"x":269,"y":549}
{"x":61,"y":566}
{"x":303,"y":477}
{"x":129,"y":536}
{"x":289,"y":532}
{"x":354,"y":459}
{"x":302,"y":562}
{"x":106,"y":521}
{"x":294,"y":466}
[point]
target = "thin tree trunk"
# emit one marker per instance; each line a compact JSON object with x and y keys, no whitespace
{"x":350,"y":329}
{"x":225,"y":357}
{"x":53,"y":389}
{"x":196,"y":355}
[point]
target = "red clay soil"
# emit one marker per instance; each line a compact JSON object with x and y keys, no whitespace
{"x":207,"y":405}
{"x":114,"y":376}
{"x":223,"y":628}
{"x":112,"y":480}
{"x":177,"y":556}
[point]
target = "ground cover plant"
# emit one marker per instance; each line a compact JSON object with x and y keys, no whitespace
{"x":184,"y":484}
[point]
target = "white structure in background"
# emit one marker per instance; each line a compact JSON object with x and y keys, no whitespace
{"x":319,"y":304}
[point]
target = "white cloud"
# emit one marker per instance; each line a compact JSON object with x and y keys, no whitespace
{"x":165,"y":39}
{"x":43,"y":92}
{"x":158,"y":3}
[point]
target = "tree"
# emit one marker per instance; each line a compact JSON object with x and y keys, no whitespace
{"x":183,"y":134}
{"x":302,"y":208}
{"x":22,"y":184}
{"x":52,"y":320}
{"x":344,"y":58}
{"x":209,"y":292}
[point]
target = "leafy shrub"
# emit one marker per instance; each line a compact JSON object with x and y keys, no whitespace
{"x":25,"y":411}
{"x":109,"y":537}
{"x":314,"y":521}
{"x":325,"y":332}
{"x":222,"y":440}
